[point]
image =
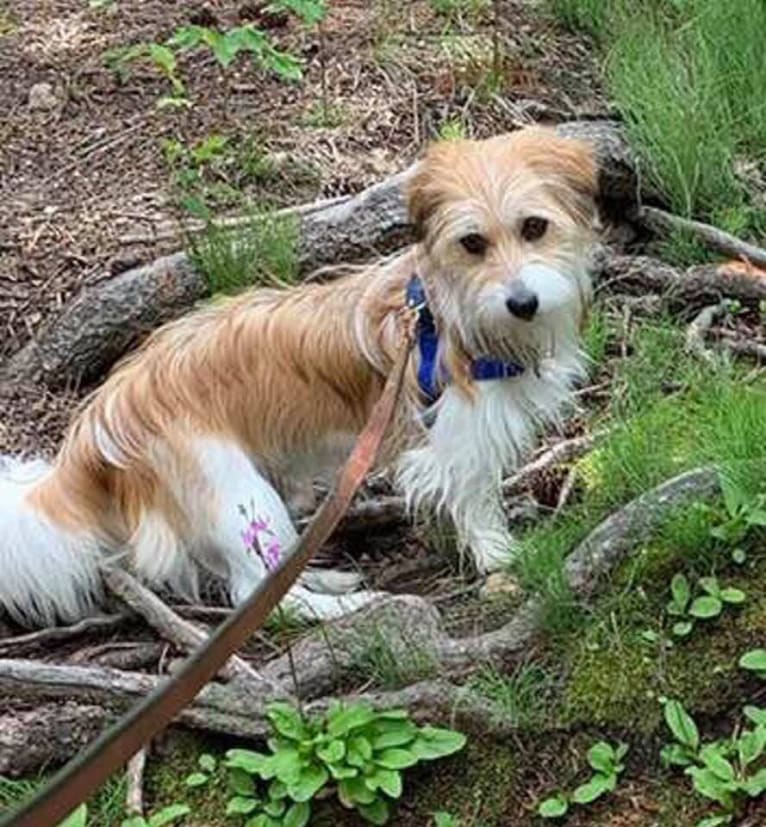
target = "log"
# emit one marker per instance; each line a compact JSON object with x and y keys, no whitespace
{"x":685,"y":292}
{"x":47,"y":734}
{"x":106,"y":319}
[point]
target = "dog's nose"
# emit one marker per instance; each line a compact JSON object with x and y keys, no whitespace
{"x":522,"y":302}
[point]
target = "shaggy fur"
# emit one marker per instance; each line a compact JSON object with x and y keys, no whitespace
{"x":229,"y":405}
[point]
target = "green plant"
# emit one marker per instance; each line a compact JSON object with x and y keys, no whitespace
{"x":606,"y":761}
{"x":456,"y":10}
{"x":726,"y":771}
{"x":207,"y":766}
{"x":744,"y":512}
{"x":755,"y":661}
{"x":453,"y":130}
{"x":259,"y":252}
{"x":704,"y":607}
{"x":167,"y":815}
{"x":77,"y":818}
{"x":357,"y":750}
{"x":442,"y":819}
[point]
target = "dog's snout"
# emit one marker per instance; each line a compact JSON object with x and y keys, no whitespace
{"x":522,"y":302}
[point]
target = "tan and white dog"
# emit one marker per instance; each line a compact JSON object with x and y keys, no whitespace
{"x":217,"y":408}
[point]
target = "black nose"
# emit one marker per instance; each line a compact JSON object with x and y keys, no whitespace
{"x":523,"y":303}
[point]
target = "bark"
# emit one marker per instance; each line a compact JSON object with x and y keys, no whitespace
{"x":106,"y":319}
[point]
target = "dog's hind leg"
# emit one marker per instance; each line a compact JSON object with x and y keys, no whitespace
{"x":241,"y":498}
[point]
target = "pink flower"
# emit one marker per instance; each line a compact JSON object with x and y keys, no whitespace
{"x":269,"y":551}
{"x":272,"y":554}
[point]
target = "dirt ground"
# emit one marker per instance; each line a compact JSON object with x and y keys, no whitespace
{"x":85,"y":185}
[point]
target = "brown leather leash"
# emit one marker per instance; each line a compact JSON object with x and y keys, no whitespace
{"x":79,"y":779}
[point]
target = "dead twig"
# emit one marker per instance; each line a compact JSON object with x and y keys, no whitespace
{"x":24,"y":644}
{"x":181,"y":632}
{"x":134,"y":797}
{"x":698,"y":329}
{"x":723,"y":242}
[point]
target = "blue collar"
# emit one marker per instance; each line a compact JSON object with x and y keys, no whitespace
{"x":431,"y":376}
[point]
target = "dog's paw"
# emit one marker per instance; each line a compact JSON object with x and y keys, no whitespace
{"x":313,"y":606}
{"x":495,"y":556}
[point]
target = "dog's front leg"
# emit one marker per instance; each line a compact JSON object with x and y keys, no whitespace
{"x":483,"y":529}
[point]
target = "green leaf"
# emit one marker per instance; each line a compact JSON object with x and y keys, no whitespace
{"x":732,"y":595}
{"x":682,"y":725}
{"x":333,"y":752}
{"x":277,"y":790}
{"x":390,"y":781}
{"x":207,"y":762}
{"x":310,"y":12}
{"x":298,"y":815}
{"x":706,"y":607}
{"x":750,"y":745}
{"x":341,"y":771}
{"x":755,"y":661}
{"x":136,"y":821}
{"x":554,"y":807}
{"x":593,"y":789}
{"x":347,"y":719}
{"x":397,"y":759}
{"x":287,"y":765}
{"x":187,"y":37}
{"x":240,"y":782}
{"x":733,"y":496}
{"x":261,"y":820}
{"x":311,"y":780}
{"x":676,"y":755}
{"x":398,"y":735}
{"x":710,"y":585}
{"x":601,"y":757}
{"x":714,"y":821}
{"x":375,"y":813}
{"x":682,"y":628}
{"x":396,"y":714}
{"x":283,"y":64}
{"x":275,"y":807}
{"x":241,"y":805}
{"x":255,"y":763}
{"x":77,"y":818}
{"x":707,"y":783}
{"x":756,"y":516}
{"x":359,"y":751}
{"x":756,"y":715}
{"x":353,"y":791}
{"x":679,"y":588}
{"x":755,"y":786}
{"x":739,"y":556}
{"x":196,"y":779}
{"x":287,"y":721}
{"x":433,"y":742}
{"x":167,"y":815}
{"x":716,"y":763}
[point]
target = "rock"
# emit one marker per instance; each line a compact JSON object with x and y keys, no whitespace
{"x":42,"y":98}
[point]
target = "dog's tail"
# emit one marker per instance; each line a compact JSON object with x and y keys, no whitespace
{"x":47,"y":572}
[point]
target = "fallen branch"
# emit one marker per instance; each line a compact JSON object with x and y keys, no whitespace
{"x":181,"y":632}
{"x":723,"y":242}
{"x":24,"y":644}
{"x":134,"y":797}
{"x":741,"y":347}
{"x":699,"y":328}
{"x":684,"y":291}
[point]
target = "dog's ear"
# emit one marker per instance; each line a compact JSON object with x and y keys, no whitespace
{"x":569,"y":162}
{"x":425,"y":189}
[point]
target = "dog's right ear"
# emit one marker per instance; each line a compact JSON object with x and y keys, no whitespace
{"x":425,"y":189}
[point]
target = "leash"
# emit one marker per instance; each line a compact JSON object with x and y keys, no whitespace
{"x":79,"y":779}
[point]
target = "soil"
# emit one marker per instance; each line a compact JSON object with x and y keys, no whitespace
{"x":85,"y":183}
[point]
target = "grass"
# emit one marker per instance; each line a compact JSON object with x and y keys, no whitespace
{"x":262,"y":252}
{"x":668,"y":413}
{"x":106,"y":808}
{"x":687,"y":76}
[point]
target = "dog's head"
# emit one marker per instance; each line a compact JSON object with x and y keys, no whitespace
{"x":505,"y":228}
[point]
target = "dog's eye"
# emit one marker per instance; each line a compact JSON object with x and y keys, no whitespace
{"x":475,"y":244}
{"x":534,"y":228}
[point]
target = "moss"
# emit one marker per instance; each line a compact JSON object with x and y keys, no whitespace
{"x":165,"y":775}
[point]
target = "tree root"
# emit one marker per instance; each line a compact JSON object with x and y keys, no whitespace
{"x":408,"y":626}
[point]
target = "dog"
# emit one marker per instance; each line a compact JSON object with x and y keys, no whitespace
{"x":181,"y":461}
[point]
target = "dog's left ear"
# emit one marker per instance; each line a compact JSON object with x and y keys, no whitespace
{"x":571,"y":162}
{"x":425,"y":190}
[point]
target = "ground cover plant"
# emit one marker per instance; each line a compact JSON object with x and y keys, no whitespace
{"x":638,"y":703}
